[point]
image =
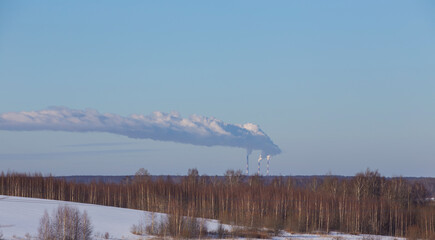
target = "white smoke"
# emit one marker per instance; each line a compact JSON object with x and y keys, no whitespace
{"x":196,"y":130}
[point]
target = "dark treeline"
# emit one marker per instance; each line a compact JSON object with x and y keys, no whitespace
{"x":366,"y":203}
{"x":298,"y":181}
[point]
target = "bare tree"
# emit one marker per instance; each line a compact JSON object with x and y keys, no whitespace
{"x":45,"y":231}
{"x":141,"y":175}
{"x":66,"y":223}
{"x":86,"y":226}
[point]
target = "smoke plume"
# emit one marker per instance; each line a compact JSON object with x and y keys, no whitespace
{"x":196,"y":130}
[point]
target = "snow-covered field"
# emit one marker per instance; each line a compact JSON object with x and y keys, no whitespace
{"x":20,"y":217}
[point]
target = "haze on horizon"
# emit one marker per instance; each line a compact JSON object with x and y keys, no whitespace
{"x":338,"y":86}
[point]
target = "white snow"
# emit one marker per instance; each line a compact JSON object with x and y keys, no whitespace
{"x":335,"y":236}
{"x":20,"y":217}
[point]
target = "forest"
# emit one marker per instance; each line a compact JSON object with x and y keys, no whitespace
{"x":365,"y":203}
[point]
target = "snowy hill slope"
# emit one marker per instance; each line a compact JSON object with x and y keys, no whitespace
{"x":20,"y":216}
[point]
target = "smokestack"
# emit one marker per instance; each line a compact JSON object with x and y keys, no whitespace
{"x":247,"y":164}
{"x":268,"y":163}
{"x":259,"y":160}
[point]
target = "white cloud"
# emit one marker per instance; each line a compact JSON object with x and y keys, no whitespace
{"x":196,"y":130}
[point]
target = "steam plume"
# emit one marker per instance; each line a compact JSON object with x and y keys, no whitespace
{"x":196,"y":130}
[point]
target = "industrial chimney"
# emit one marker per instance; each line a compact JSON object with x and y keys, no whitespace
{"x":259,"y":160}
{"x":247,"y":164}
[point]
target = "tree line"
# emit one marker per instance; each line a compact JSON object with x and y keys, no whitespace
{"x":366,"y":203}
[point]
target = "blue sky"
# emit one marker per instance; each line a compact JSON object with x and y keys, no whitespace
{"x":339,"y":86}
